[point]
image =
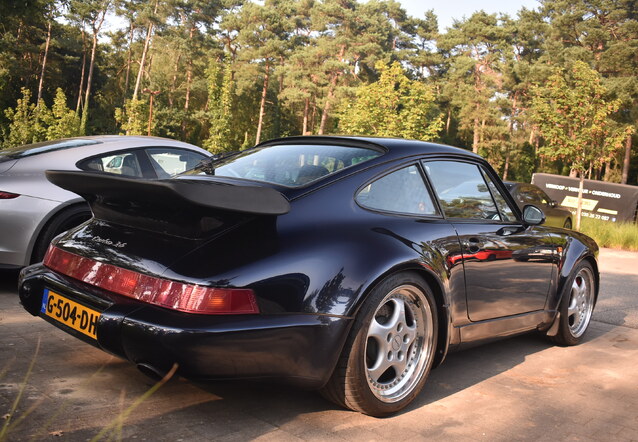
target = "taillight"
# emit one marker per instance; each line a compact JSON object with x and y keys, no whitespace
{"x":189,"y":298}
{"x":8,"y":195}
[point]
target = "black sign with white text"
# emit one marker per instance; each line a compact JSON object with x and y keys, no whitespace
{"x":601,"y":200}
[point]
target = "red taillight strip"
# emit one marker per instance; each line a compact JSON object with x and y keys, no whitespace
{"x":189,"y":298}
{"x":8,"y":195}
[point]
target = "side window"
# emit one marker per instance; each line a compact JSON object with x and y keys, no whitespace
{"x":121,"y":163}
{"x":402,"y":191}
{"x":462,"y":190}
{"x":505,"y":210}
{"x":541,"y":196}
{"x":170,"y":161}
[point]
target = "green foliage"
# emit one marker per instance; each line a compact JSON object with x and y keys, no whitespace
{"x":573,"y":116}
{"x":63,"y":122}
{"x":133,"y":118}
{"x":27,"y":123}
{"x":30,"y":123}
{"x":393,"y":106}
{"x":221,"y":95}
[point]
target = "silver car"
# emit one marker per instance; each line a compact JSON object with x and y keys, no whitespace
{"x":34,"y":211}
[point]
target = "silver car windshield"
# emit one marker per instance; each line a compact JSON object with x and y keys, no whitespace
{"x":291,"y":165}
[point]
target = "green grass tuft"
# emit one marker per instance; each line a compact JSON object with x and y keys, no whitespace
{"x":613,"y":235}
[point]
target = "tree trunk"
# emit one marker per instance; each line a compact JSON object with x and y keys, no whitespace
{"x":79,"y":103}
{"x":626,"y":161}
{"x":262,"y":104}
{"x":475,"y":140}
{"x":96,"y":26}
{"x":173,"y":81}
{"x":306,"y":109}
{"x":189,"y":79}
{"x":140,"y":72}
{"x":129,"y":59}
{"x":607,"y":171}
{"x":449,"y":120}
{"x":507,"y":164}
{"x":44,"y":64}
{"x":331,"y":92}
{"x":85,"y":108}
{"x":189,"y":74}
{"x":579,"y":205}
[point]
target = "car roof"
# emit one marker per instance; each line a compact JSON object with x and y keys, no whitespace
{"x":393,"y":147}
{"x":94,"y":144}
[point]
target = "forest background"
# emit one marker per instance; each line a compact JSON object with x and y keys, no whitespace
{"x":554,"y":89}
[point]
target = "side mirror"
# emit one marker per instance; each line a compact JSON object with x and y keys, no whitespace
{"x":532,"y":215}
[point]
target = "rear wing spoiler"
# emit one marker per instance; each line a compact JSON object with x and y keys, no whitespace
{"x":181,"y":207}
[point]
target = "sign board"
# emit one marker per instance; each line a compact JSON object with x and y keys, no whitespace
{"x":601,"y":200}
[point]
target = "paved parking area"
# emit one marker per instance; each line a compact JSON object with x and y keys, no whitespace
{"x":517,"y":389}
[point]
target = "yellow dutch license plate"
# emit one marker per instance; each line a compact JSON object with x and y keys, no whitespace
{"x":70,"y":313}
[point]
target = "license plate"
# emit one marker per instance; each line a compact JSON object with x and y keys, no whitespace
{"x":70,"y":313}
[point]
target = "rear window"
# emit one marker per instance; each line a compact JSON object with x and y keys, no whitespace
{"x":291,"y":165}
{"x":45,"y":146}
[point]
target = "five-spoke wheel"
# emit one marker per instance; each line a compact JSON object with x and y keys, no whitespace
{"x":399,"y":340}
{"x":390,"y":349}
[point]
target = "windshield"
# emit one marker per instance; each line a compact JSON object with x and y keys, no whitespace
{"x":291,"y":165}
{"x":46,"y":146}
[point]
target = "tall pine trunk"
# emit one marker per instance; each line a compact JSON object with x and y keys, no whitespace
{"x":44,"y":64}
{"x":189,"y":74}
{"x":262,"y":104}
{"x":129,"y":59}
{"x":331,"y":91}
{"x":81,"y":88}
{"x":477,"y":133}
{"x":627,"y":160}
{"x":306,"y":109}
{"x":140,"y":72}
{"x":89,"y":80}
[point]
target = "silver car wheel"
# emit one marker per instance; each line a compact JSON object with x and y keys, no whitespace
{"x":399,"y":343}
{"x":581,"y":302}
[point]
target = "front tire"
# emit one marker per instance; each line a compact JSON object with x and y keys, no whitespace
{"x":576,"y":306}
{"x":390,"y":350}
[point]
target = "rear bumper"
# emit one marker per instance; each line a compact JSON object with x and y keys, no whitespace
{"x":300,"y":349}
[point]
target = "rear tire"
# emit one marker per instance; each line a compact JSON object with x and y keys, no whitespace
{"x":390,"y":349}
{"x":576,"y":306}
{"x":61,"y":222}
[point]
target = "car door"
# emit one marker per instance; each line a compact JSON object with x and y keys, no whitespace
{"x":506,"y":271}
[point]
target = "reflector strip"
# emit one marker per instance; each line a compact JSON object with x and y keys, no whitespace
{"x":8,"y":195}
{"x":189,"y":298}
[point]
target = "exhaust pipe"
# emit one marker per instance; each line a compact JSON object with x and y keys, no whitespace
{"x":151,"y":371}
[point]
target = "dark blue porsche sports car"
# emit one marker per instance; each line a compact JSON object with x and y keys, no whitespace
{"x":350,"y":265}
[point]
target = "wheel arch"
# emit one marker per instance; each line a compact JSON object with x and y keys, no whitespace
{"x":51,"y":217}
{"x":578,"y":248}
